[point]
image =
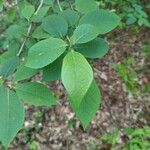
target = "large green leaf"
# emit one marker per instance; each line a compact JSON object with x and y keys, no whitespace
{"x":45,"y":52}
{"x":53,"y":71}
{"x":89,"y":105}
{"x":55,"y":25}
{"x":11,"y":115}
{"x":77,"y":76}
{"x":28,"y":11}
{"x":84,"y":33}
{"x":8,"y":67}
{"x":93,"y":49}
{"x":85,"y":6}
{"x":71,"y":16}
{"x":103,"y":20}
{"x":35,"y":94}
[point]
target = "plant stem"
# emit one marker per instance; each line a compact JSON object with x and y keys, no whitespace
{"x":29,"y":29}
{"x":41,"y":3}
{"x":68,"y":38}
{"x":71,"y":6}
{"x":23,"y":44}
{"x":59,"y":5}
{"x":58,"y":2}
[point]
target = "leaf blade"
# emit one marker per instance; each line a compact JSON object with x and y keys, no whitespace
{"x":8,"y":67}
{"x":85,"y":6}
{"x":55,"y":25}
{"x":40,"y":15}
{"x":28,"y":11}
{"x":11,"y":120}
{"x":77,"y":76}
{"x":36,"y":94}
{"x":93,"y":49}
{"x":52,"y":72}
{"x":84,"y":33}
{"x":103,"y":20}
{"x":23,"y":73}
{"x":71,"y":16}
{"x":46,"y":51}
{"x":89,"y":105}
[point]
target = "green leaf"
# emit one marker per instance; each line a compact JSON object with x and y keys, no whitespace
{"x":89,"y":105}
{"x":103,"y":20}
{"x":39,"y":33}
{"x":12,"y":116}
{"x":85,"y":6}
{"x":15,"y":32}
{"x":28,"y":11}
{"x":24,"y":72}
{"x":35,"y":94}
{"x":84,"y":33}
{"x":111,"y":138}
{"x":143,"y":21}
{"x":8,"y":67}
{"x":11,"y":14}
{"x":1,"y":5}
{"x":94,"y":49}
{"x":71,"y":16}
{"x":45,"y":52}
{"x":40,"y":15}
{"x":53,"y":71}
{"x":131,"y":20}
{"x":12,"y":52}
{"x":77,"y":76}
{"x":29,"y":43}
{"x":13,"y":47}
{"x":55,"y":25}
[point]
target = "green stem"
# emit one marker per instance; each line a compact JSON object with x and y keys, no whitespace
{"x":29,"y":29}
{"x":59,"y":5}
{"x":58,"y":2}
{"x":38,"y":9}
{"x":23,"y":44}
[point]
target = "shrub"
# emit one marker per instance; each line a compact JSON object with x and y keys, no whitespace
{"x":55,"y":38}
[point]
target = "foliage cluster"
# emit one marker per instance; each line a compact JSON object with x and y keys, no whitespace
{"x":128,"y":75}
{"x":138,"y":138}
{"x":131,"y":76}
{"x":131,"y":11}
{"x":55,"y":38}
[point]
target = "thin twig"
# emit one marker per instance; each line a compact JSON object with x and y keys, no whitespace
{"x":23,"y":44}
{"x":29,"y":30}
{"x":59,"y":5}
{"x":68,"y":38}
{"x":41,"y":3}
{"x":71,"y":6}
{"x":62,"y":11}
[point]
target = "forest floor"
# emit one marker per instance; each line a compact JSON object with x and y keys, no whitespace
{"x":49,"y":129}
